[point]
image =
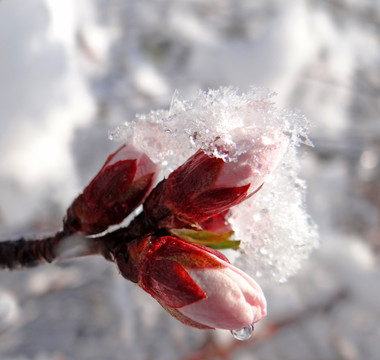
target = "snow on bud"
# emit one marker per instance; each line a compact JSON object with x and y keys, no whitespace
{"x":195,"y":284}
{"x":206,"y":185}
{"x":259,"y":156}
{"x":121,"y":185}
{"x":251,"y":135}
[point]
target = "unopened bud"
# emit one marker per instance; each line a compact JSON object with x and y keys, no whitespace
{"x":121,"y":185}
{"x":206,"y":185}
{"x":195,"y":284}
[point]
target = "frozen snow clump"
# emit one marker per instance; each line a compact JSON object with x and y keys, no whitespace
{"x":275,"y":230}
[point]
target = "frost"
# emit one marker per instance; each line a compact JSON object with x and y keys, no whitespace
{"x":274,"y":227}
{"x":275,"y":230}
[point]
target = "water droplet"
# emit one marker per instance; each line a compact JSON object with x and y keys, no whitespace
{"x":244,"y":333}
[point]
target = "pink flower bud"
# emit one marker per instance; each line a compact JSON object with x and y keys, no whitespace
{"x":195,"y":284}
{"x":121,"y":185}
{"x":205,"y":185}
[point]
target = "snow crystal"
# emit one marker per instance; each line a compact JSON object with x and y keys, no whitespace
{"x":275,"y":230}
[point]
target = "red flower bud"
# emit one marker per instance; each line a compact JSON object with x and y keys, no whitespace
{"x":195,"y":284}
{"x":121,"y":185}
{"x":205,"y":185}
{"x":217,"y":224}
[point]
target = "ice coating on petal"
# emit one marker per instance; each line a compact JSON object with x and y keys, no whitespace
{"x":144,"y":163}
{"x":263,"y":154}
{"x":273,"y":225}
{"x":213,"y":117}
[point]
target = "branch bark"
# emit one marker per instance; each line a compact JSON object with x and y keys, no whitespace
{"x":25,"y":253}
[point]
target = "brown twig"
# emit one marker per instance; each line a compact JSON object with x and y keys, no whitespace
{"x":25,"y":253}
{"x":21,"y":253}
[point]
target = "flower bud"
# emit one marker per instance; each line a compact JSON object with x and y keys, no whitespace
{"x":217,"y":224}
{"x":207,"y":185}
{"x":195,"y":284}
{"x":121,"y":185}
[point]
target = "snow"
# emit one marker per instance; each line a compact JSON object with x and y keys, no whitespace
{"x":43,"y":98}
{"x":171,"y":136}
{"x":70,"y":72}
{"x":275,"y":230}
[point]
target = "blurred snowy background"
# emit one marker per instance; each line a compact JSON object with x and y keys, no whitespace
{"x":72,"y":70}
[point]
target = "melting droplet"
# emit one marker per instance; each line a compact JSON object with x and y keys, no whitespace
{"x":243,"y":333}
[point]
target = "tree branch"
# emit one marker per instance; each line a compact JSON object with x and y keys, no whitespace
{"x":25,"y":253}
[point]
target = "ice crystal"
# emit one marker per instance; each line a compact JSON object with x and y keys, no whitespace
{"x":274,"y":227}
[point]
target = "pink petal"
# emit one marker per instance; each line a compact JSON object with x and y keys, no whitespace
{"x":232,"y":302}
